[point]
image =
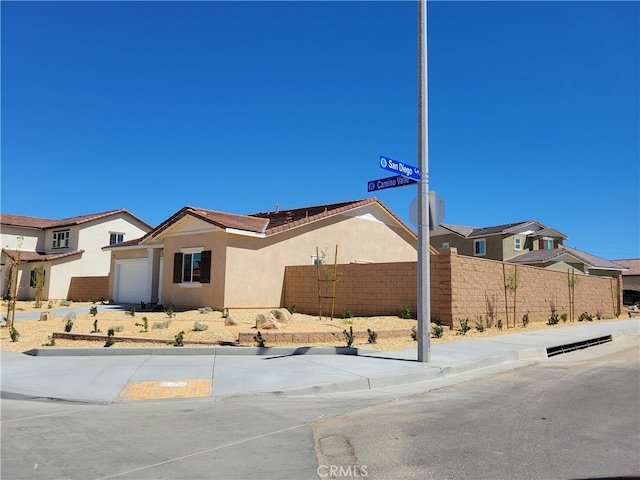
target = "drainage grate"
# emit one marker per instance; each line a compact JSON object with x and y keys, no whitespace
{"x":570,"y":347}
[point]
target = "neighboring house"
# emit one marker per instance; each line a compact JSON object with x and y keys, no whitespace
{"x":527,"y":243}
{"x":201,"y":257}
{"x":68,"y":248}
{"x":630,"y":277}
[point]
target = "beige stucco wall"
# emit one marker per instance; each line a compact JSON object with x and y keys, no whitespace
{"x":198,"y":295}
{"x":33,"y":240}
{"x":255,"y":267}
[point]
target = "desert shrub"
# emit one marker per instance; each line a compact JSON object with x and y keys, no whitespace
{"x":117,"y":328}
{"x":437,"y":331}
{"x":13,"y":333}
{"x":414,"y":334}
{"x":199,"y":327}
{"x":405,"y":311}
{"x":259,"y":340}
{"x":553,"y":319}
{"x":179,"y":342}
{"x":161,"y":325}
{"x":144,"y":324}
{"x":68,"y":326}
{"x":131,"y":311}
{"x":292,"y":309}
{"x":479,"y":323}
{"x":349,"y":336}
{"x":93,"y":311}
{"x":585,"y":317}
{"x":95,"y":326}
{"x":65,"y":303}
{"x":373,"y":336}
{"x":204,"y":310}
{"x":110,"y":335}
{"x":499,"y":324}
{"x":171,"y":311}
{"x":563,"y":317}
{"x":347,"y":313}
{"x":464,"y":326}
{"x":525,"y":320}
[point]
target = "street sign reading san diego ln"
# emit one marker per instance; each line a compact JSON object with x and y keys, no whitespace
{"x":400,"y":168}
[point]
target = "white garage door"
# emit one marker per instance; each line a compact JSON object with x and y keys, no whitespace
{"x":131,"y":281}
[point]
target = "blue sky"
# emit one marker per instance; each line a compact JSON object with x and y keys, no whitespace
{"x":237,"y":106}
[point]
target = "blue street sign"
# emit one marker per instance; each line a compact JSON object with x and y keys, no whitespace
{"x":390,"y":182}
{"x":400,"y":168}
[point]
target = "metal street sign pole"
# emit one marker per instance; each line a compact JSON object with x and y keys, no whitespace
{"x":424,"y":280}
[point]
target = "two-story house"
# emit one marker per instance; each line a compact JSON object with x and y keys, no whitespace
{"x":525,"y":243}
{"x":67,"y":249}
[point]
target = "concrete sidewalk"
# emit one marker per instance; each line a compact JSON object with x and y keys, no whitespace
{"x":106,"y":375}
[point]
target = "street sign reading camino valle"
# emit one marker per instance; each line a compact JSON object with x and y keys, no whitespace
{"x":390,"y":182}
{"x":400,"y":168}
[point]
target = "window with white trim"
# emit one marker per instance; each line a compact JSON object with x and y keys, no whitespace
{"x":548,"y":243}
{"x":61,"y":239}
{"x":480,"y":247}
{"x":115,"y":237}
{"x":517,"y":243}
{"x":445,"y":245}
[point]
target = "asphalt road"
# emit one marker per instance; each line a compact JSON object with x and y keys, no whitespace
{"x":558,"y":419}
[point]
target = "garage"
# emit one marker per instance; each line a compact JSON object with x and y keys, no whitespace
{"x":131,"y":281}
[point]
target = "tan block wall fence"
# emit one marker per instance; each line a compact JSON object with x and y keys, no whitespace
{"x":84,"y":289}
{"x":461,"y":287}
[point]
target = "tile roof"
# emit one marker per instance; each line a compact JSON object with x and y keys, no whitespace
{"x":633,"y":264}
{"x":474,"y":232}
{"x":27,"y":256}
{"x":44,"y":223}
{"x":267,"y":223}
{"x":545,"y":256}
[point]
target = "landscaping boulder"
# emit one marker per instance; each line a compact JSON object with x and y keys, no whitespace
{"x":44,"y":316}
{"x":230,"y":321}
{"x":282,"y":315}
{"x":267,"y":322}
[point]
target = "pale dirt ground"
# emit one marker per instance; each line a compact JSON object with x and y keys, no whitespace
{"x":35,"y":333}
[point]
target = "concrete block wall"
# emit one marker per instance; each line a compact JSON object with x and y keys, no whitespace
{"x":461,"y":287}
{"x":84,"y":289}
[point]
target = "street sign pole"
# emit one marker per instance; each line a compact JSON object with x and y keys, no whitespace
{"x":424,"y":280}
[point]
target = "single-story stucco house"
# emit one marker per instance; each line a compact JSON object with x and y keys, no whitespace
{"x":200,"y":257}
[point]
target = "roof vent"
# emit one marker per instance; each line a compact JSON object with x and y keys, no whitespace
{"x":277,"y":207}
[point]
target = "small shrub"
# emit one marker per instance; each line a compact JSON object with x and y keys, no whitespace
{"x":414,"y":334}
{"x":50,"y":305}
{"x":464,"y":326}
{"x":110,"y":335}
{"x":499,"y":324}
{"x":65,"y":303}
{"x":563,"y":317}
{"x":553,"y":319}
{"x":144,"y":324}
{"x":292,"y":309}
{"x":50,"y":343}
{"x":161,"y":325}
{"x":479,"y":323}
{"x":117,"y":328}
{"x":95,"y":327}
{"x":585,"y":317}
{"x":347,"y":313}
{"x":68,"y":326}
{"x":225,"y":313}
{"x":204,"y":310}
{"x":93,"y":311}
{"x":437,"y":331}
{"x":171,"y":311}
{"x":13,"y":333}
{"x":71,"y":316}
{"x":143,"y":306}
{"x":199,"y":327}
{"x":94,"y":300}
{"x":349,"y":336}
{"x":259,"y":340}
{"x":525,"y":320}
{"x":405,"y":311}
{"x":131,"y":311}
{"x":179,"y":342}
{"x":373,"y":336}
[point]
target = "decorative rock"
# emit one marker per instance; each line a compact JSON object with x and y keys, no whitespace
{"x":282,"y":315}
{"x":44,"y":316}
{"x":229,"y":321}
{"x":267,"y":322}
